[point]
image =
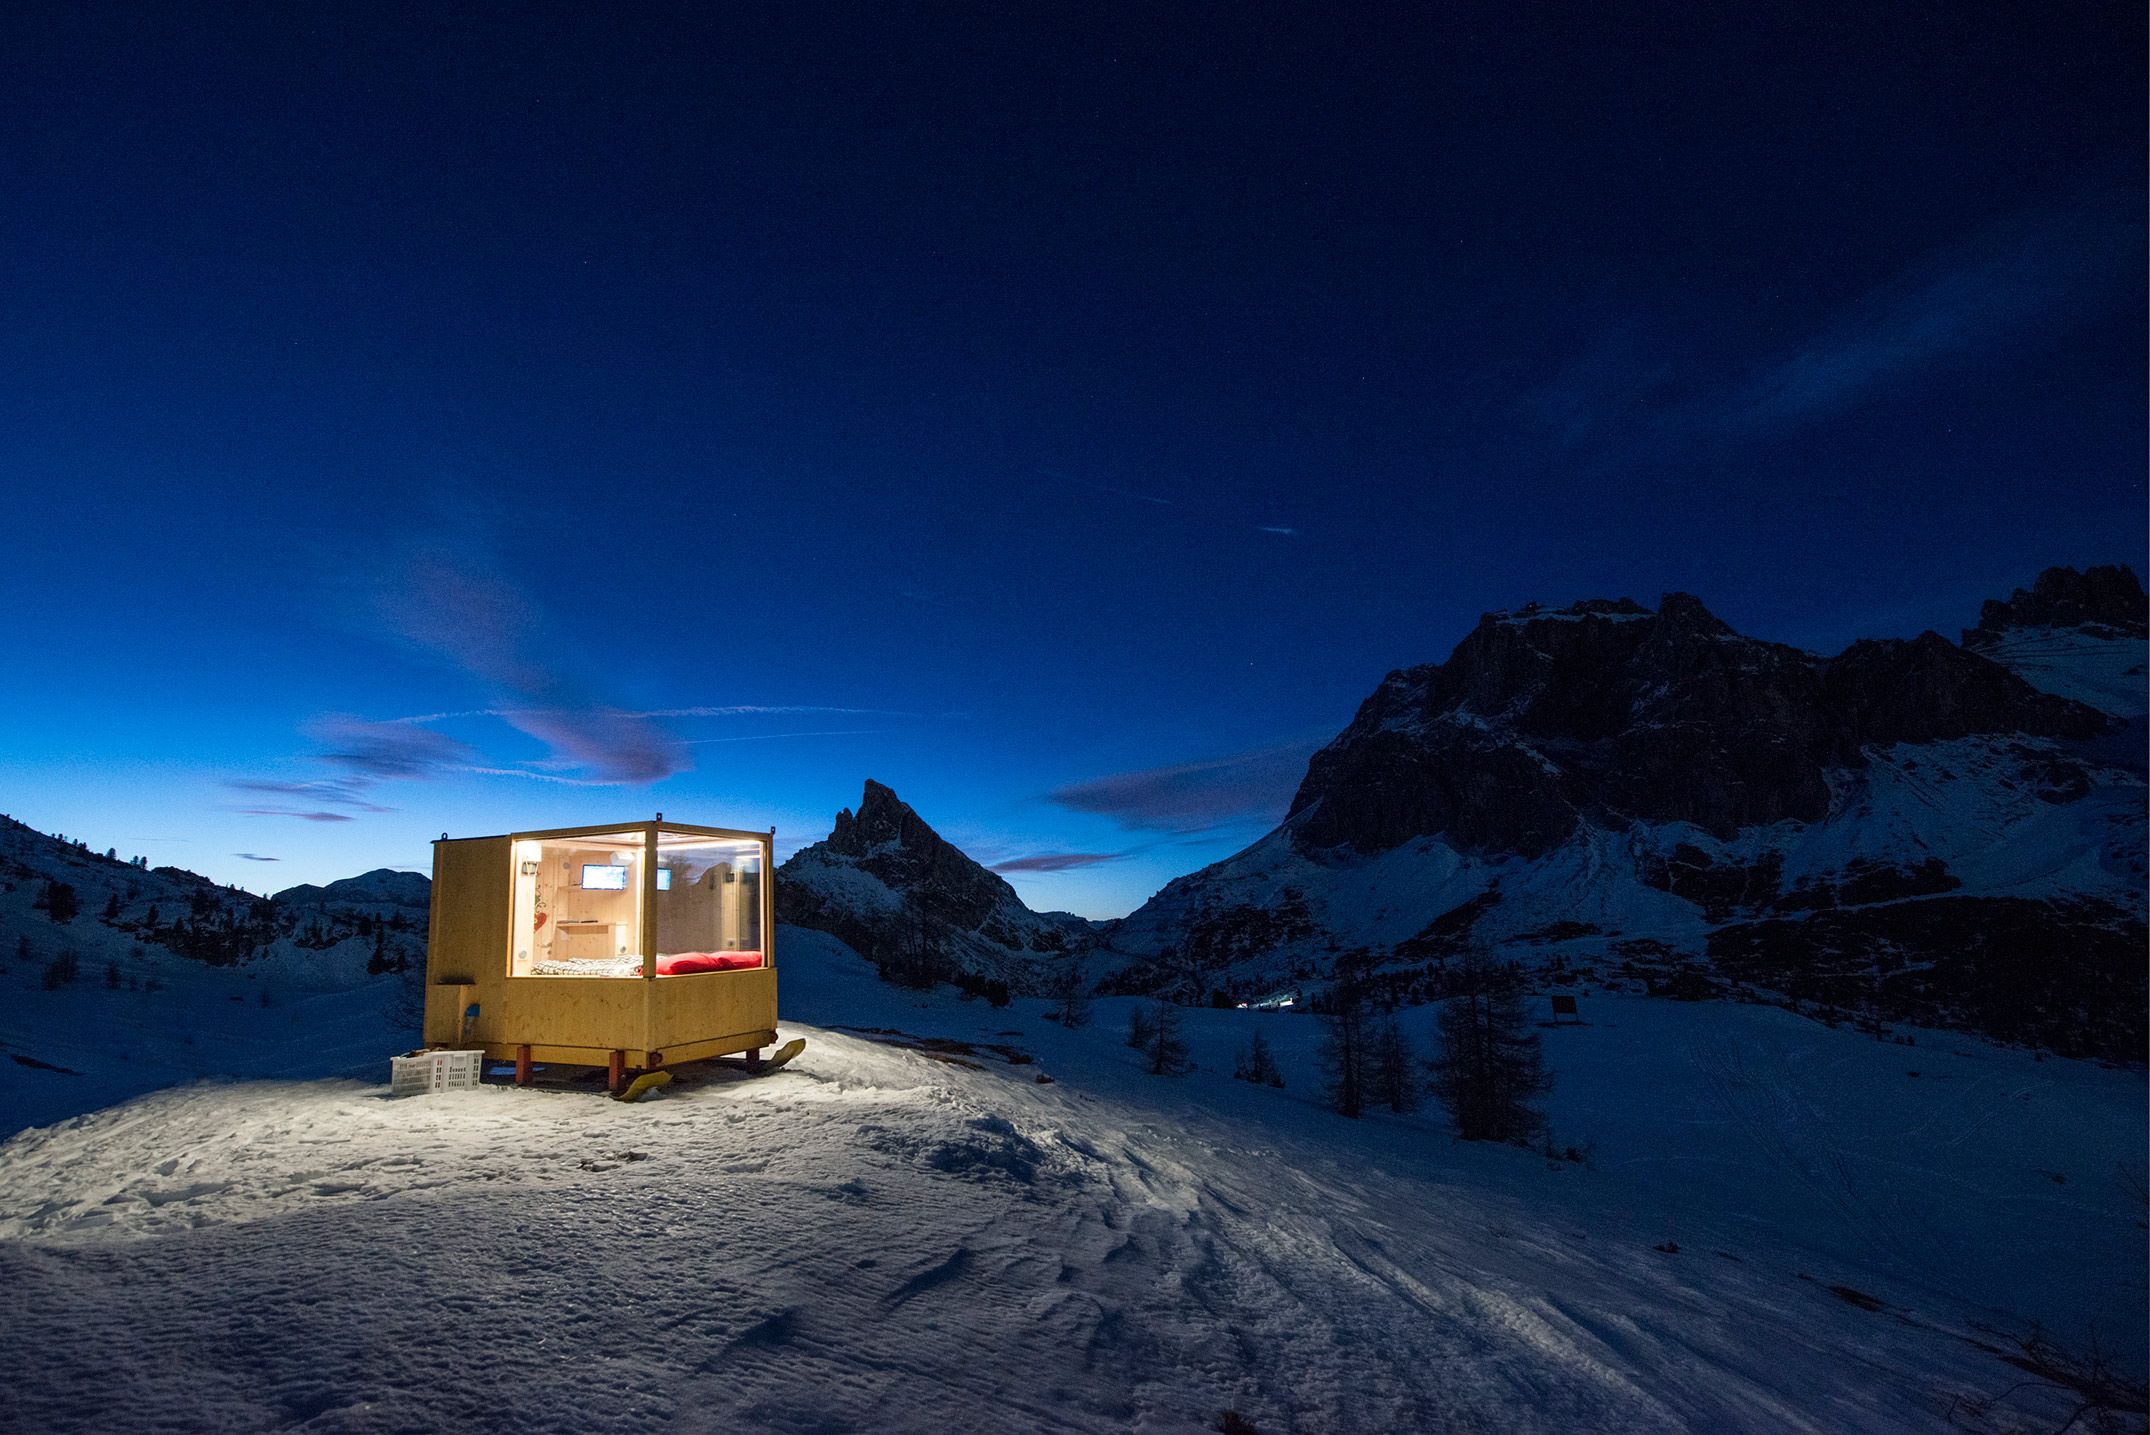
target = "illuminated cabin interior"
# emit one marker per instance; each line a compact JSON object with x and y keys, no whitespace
{"x":631,"y":947}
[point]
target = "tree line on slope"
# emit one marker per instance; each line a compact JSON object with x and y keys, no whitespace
{"x":1488,"y":1072}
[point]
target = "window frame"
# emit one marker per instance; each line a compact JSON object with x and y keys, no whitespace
{"x":650,"y":832}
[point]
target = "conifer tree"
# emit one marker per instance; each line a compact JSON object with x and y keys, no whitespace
{"x":62,"y":970}
{"x":1069,"y":988}
{"x":1490,"y":1071}
{"x":1344,"y":1051}
{"x":1167,"y":1051}
{"x":1395,"y":1078}
{"x":1257,"y":1064}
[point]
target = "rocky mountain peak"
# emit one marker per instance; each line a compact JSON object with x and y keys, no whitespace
{"x":1684,"y":612}
{"x":1607,"y":712}
{"x":882,"y":817}
{"x":383,"y":886}
{"x":2108,"y":599}
{"x":913,"y":902}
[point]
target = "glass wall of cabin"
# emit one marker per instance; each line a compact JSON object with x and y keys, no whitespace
{"x":708,"y":903}
{"x":578,"y":906}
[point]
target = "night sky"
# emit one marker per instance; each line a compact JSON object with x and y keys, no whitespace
{"x":476,"y":418}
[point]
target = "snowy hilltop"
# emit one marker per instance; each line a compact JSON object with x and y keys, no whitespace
{"x":121,"y":977}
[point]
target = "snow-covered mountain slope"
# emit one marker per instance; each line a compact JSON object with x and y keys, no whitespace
{"x":1782,"y":1229}
{"x":1908,"y":830}
{"x":2080,"y":635}
{"x":116,"y":978}
{"x":891,"y":887}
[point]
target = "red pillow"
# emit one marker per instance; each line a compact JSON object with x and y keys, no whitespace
{"x":681,"y":964}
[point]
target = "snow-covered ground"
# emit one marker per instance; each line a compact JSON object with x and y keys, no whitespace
{"x":875,"y":1239}
{"x":89,"y":1044}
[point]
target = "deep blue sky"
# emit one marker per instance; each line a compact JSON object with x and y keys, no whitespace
{"x":1066,"y":420}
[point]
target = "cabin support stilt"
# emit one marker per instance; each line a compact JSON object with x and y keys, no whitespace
{"x":522,"y":1065}
{"x":615,"y":1070}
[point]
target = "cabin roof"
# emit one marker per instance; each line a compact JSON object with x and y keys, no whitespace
{"x":606,"y":829}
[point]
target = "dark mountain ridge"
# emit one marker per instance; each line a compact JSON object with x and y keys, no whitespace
{"x":1607,"y":712}
{"x":1910,"y":830}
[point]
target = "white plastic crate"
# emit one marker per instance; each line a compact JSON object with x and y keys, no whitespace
{"x":422,"y":1072}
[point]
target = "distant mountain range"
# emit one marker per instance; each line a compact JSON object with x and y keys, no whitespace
{"x":1913,"y":830}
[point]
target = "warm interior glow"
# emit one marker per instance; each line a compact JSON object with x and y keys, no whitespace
{"x":709,"y":904}
{"x":578,"y":907}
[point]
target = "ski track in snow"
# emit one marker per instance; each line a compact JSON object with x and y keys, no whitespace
{"x":872,"y":1240}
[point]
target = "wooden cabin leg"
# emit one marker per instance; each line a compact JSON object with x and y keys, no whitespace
{"x":522,"y":1066}
{"x":754,"y":1059}
{"x":615,"y":1070}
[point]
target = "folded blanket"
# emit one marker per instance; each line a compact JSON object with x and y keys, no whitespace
{"x":680,"y":964}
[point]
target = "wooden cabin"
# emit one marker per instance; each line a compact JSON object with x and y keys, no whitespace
{"x":633,"y":946}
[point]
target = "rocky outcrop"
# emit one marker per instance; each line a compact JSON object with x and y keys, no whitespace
{"x":887,"y":885}
{"x":1927,"y":689}
{"x":1608,"y":713}
{"x":2107,"y":600}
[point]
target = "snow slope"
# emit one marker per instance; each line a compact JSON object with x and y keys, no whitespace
{"x":2104,"y":669}
{"x":294,"y":997}
{"x":878,"y":1239}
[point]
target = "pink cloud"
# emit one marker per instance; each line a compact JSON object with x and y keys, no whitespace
{"x":456,"y":608}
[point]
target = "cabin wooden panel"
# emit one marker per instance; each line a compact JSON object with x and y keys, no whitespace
{"x":584,"y":1019}
{"x":710,"y":1004}
{"x":467,"y":932}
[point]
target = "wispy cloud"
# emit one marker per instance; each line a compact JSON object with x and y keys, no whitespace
{"x":533,"y":774}
{"x":255,"y":857}
{"x":1057,"y":861}
{"x":734,"y":710}
{"x":337,"y":792}
{"x":1278,"y":529}
{"x":377,"y":751}
{"x":449,"y":601}
{"x":1957,"y":307}
{"x":300,"y":813}
{"x":1256,"y":785}
{"x":1638,"y":391}
{"x":456,"y":607}
{"x":772,"y":736}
